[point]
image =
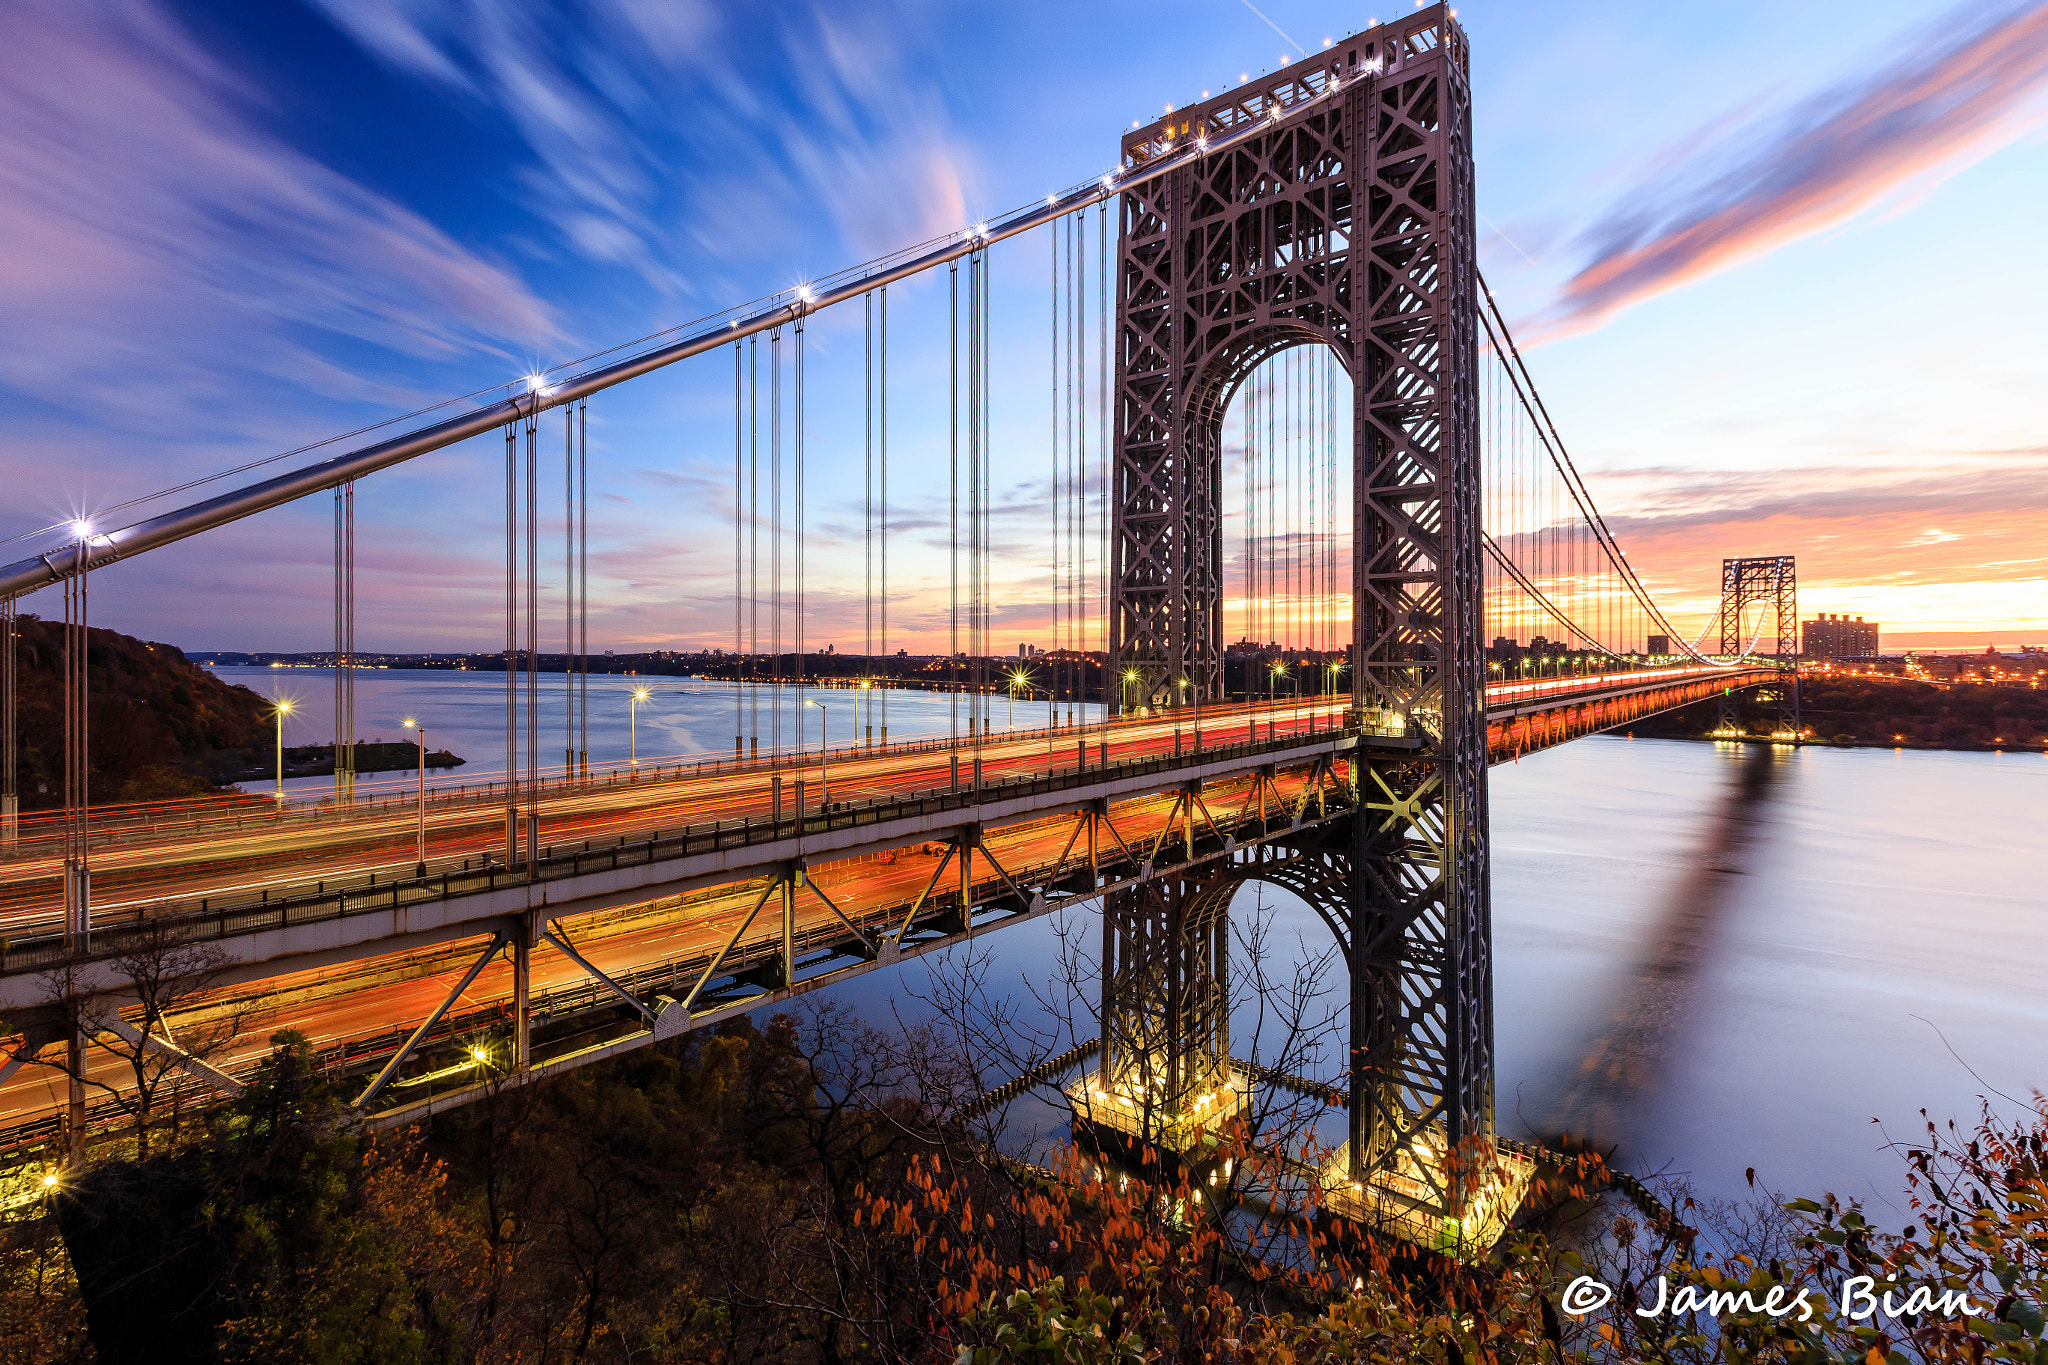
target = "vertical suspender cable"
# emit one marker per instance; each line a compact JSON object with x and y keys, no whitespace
{"x":511,"y":644}
{"x":974,"y":643}
{"x":953,"y":492}
{"x":987,"y":485}
{"x":583,"y":586}
{"x":883,"y":378}
{"x":797,"y":414}
{"x":1053,"y":337}
{"x":1247,"y":574}
{"x":867,"y":618}
{"x":10,"y":759}
{"x":348,"y":619}
{"x":1312,"y":633}
{"x":739,"y":586}
{"x":344,"y":641}
{"x":533,"y":641}
{"x":340,"y":636}
{"x":85,"y":747}
{"x":1073,"y":501}
{"x":775,"y":545}
{"x":70,"y":699}
{"x":1079,"y":491}
{"x":754,"y":544}
{"x":1107,"y":456}
{"x":1268,"y":599}
{"x":77,"y":775}
{"x":1296,"y":424}
{"x":568,"y":591}
{"x":1064,"y":510}
{"x":986,"y":350}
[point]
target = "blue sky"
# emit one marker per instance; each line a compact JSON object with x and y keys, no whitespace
{"x":1784,"y":263}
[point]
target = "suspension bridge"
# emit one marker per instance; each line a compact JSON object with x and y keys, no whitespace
{"x":1282,"y":403}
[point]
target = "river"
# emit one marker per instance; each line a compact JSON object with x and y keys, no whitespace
{"x":1709,"y":957}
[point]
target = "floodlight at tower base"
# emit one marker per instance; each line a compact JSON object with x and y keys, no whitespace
{"x":1201,"y":1118}
{"x":1403,"y":1196}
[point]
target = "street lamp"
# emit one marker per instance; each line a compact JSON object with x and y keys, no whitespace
{"x":640,"y":694}
{"x":421,"y":730}
{"x":824,"y":773}
{"x":1130,"y":676}
{"x":282,"y":709}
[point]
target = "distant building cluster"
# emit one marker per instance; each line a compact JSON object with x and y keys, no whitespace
{"x":1838,"y":637}
{"x":2025,"y":666}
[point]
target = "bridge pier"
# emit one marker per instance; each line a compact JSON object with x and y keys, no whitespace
{"x":1164,"y":1067}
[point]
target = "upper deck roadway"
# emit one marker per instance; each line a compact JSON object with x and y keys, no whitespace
{"x":679,"y":885}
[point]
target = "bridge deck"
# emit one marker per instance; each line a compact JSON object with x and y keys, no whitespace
{"x":657,"y":898}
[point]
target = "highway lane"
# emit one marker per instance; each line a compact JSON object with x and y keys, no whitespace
{"x":298,"y":849}
{"x":289,"y":850}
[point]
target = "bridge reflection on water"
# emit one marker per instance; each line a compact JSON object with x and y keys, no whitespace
{"x":1854,"y":912}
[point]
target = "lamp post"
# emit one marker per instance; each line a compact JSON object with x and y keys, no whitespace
{"x":421,"y":731}
{"x":282,"y":709}
{"x":1130,"y":676}
{"x":640,"y":694}
{"x":824,"y":775}
{"x":1018,"y":678}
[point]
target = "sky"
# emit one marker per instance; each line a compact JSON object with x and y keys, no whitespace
{"x":1778,"y":271}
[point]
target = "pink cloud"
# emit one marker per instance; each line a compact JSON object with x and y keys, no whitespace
{"x":1961,"y":89}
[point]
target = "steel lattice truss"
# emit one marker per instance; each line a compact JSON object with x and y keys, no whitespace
{"x":1349,"y":225}
{"x":1760,"y":607}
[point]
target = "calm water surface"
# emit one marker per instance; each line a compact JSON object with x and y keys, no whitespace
{"x":1711,"y":957}
{"x":685,"y":717}
{"x":1872,"y":911}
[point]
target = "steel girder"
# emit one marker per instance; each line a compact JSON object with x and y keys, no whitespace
{"x":1350,"y":224}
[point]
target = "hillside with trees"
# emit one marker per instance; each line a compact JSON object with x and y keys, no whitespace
{"x":160,"y":726}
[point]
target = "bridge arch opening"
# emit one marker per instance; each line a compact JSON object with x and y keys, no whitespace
{"x":1277,"y":406}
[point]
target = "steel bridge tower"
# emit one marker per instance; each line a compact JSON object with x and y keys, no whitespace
{"x":1760,"y":615}
{"x":1760,"y":607}
{"x":1347,"y":224}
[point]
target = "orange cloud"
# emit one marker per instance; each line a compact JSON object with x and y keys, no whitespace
{"x":1963,"y":550}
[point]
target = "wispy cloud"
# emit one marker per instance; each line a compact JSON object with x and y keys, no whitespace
{"x":164,"y":250}
{"x":654,"y":125}
{"x":1959,"y":88}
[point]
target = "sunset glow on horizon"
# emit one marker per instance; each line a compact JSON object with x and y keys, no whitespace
{"x":1747,"y":278}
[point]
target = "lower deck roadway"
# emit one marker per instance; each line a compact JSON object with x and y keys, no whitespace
{"x":677,"y":937}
